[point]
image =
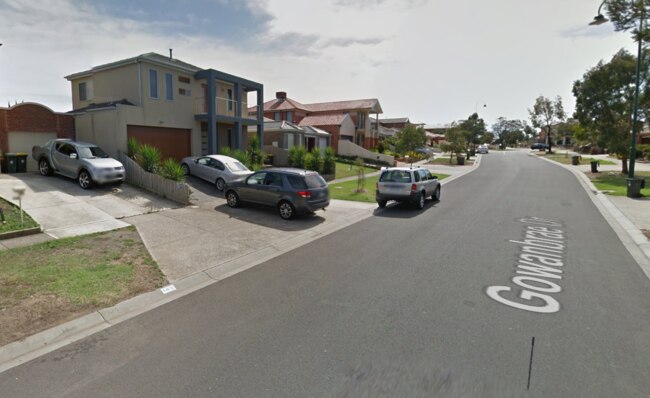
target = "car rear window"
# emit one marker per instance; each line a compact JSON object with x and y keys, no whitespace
{"x":309,"y":181}
{"x":395,"y":176}
{"x":236,"y":166}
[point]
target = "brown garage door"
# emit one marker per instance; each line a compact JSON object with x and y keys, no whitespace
{"x":172,"y":143}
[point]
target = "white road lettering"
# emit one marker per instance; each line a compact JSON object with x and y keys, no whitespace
{"x":541,"y":258}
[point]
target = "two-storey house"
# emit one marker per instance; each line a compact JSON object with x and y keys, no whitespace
{"x":179,"y":108}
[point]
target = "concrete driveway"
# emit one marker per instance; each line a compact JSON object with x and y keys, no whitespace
{"x":64,"y":209}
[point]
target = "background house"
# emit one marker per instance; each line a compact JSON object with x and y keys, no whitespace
{"x":331,"y":117}
{"x":24,"y":125}
{"x":179,"y":108}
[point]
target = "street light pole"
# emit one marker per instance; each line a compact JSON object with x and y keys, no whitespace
{"x":598,"y":20}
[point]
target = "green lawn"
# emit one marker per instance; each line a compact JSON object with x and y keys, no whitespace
{"x":566,"y":159}
{"x":347,"y":190}
{"x":12,"y":218}
{"x":348,"y":170}
{"x":615,"y":183}
{"x":445,"y":160}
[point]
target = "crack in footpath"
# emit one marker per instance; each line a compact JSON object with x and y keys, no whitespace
{"x":530,"y":363}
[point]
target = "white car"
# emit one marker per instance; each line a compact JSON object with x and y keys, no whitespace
{"x":218,"y":169}
{"x":483,"y":148}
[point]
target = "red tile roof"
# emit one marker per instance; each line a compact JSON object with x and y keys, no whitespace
{"x":371,"y":104}
{"x":323,"y":120}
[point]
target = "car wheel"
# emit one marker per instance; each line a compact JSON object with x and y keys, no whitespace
{"x":85,"y":181}
{"x":220,"y":184}
{"x":232,"y":199}
{"x":419,"y":204}
{"x":186,"y":169}
{"x":286,"y":210}
{"x":436,"y":194}
{"x":44,"y":167}
{"x":381,"y":203}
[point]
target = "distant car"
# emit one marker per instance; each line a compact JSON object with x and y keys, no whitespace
{"x":404,"y":184}
{"x":539,"y":146}
{"x":290,"y":191}
{"x":424,"y":151}
{"x":483,"y":148}
{"x":217,"y":169}
{"x":85,"y":162}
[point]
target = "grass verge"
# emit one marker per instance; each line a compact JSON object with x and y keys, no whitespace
{"x":50,"y":283}
{"x":566,"y":159}
{"x":12,"y":218}
{"x":348,"y":190}
{"x":348,"y":170}
{"x":614,"y":183}
{"x":445,"y":161}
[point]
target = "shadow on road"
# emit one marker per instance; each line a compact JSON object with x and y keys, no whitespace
{"x":403,"y":210}
{"x":268,"y":217}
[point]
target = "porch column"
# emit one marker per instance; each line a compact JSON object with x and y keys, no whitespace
{"x":238,"y":113}
{"x":260,"y":115}
{"x":212,"y":115}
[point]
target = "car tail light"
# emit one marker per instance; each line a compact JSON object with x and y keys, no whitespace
{"x":414,"y":187}
{"x":304,"y":194}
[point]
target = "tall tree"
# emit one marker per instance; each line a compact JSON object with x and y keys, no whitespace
{"x":410,"y":138}
{"x":508,"y":132}
{"x":626,"y":14}
{"x":604,"y":102}
{"x":545,"y":114}
{"x":474,"y":129}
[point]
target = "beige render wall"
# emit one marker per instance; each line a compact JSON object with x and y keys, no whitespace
{"x":347,"y":127}
{"x":108,"y":85}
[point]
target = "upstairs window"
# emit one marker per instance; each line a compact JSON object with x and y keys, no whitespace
{"x":277,"y":116}
{"x":83,"y":91}
{"x":153,"y":83}
{"x":290,"y":116}
{"x":169,"y":89}
{"x":230,"y":99}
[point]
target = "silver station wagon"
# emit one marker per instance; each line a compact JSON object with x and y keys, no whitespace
{"x":217,"y":169}
{"x":410,"y":185}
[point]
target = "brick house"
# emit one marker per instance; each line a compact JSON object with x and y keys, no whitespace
{"x":24,"y":125}
{"x":358,"y":111}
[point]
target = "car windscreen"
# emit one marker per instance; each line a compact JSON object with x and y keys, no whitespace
{"x":395,"y":176}
{"x":90,"y":152}
{"x":236,"y":166}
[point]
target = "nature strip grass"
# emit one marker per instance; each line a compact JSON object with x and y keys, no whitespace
{"x":614,"y":183}
{"x":12,"y":218}
{"x":349,"y":170}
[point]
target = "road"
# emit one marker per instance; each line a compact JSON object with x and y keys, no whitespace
{"x":398,"y":305}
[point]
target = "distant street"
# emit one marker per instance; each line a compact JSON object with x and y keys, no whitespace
{"x":512,"y":285}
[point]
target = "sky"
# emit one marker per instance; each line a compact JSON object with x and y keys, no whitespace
{"x":433,"y":61}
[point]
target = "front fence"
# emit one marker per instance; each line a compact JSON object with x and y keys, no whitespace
{"x":135,"y":175}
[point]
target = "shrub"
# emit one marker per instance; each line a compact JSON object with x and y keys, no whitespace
{"x":243,"y":157}
{"x":255,"y":152}
{"x":225,"y":151}
{"x":315,"y":161}
{"x":148,"y":157}
{"x":172,"y":170}
{"x":297,"y":156}
{"x":329,"y":161}
{"x":132,"y":148}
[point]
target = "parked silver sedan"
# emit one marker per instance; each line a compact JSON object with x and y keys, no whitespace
{"x":218,"y":169}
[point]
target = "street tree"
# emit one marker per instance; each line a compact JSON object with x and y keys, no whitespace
{"x":410,"y":138}
{"x":604,"y":102}
{"x":455,"y":142}
{"x":545,"y":114}
{"x":473,"y":129}
{"x":508,"y":132}
{"x":626,"y":14}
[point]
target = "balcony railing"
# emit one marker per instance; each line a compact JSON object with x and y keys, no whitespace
{"x":223,"y":107}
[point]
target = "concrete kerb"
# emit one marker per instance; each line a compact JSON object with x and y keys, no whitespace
{"x":17,"y":353}
{"x":632,"y":238}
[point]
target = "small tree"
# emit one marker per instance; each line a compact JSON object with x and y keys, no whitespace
{"x":255,"y":152}
{"x":148,"y":157}
{"x":545,"y":113}
{"x":329,"y":161}
{"x":361,"y":175}
{"x":297,"y":156}
{"x":410,"y":138}
{"x":455,"y":142}
{"x":314,"y":161}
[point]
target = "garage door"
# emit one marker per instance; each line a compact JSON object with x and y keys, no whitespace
{"x":172,"y":143}
{"x":20,"y":141}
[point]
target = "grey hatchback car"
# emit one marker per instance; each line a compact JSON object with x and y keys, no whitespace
{"x":290,"y":191}
{"x":405,"y":184}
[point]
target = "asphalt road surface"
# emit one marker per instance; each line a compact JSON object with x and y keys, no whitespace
{"x":398,"y":305}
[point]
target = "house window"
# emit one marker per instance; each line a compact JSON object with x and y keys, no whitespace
{"x":169,"y":89}
{"x":184,"y":91}
{"x":230,"y":99}
{"x":184,"y":79}
{"x":290,"y":116}
{"x":277,"y":116}
{"x":153,"y":83}
{"x":361,"y":120}
{"x":82,"y":92}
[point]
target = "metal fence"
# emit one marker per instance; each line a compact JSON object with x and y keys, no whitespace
{"x":135,"y":175}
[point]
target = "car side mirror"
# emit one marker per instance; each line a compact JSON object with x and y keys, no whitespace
{"x":73,"y":156}
{"x":434,"y":177}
